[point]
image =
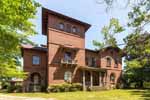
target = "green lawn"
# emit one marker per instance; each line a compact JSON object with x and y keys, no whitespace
{"x":101,"y":95}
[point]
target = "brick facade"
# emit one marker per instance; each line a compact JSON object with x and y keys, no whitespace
{"x":65,"y":52}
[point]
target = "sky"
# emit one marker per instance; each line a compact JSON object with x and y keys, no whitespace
{"x":89,"y":11}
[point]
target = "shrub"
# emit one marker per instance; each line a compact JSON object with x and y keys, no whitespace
{"x":66,"y":87}
{"x":5,"y":84}
{"x":147,"y":85}
{"x":15,"y":89}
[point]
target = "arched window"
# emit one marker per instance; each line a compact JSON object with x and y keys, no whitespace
{"x":61,"y":26}
{"x":67,"y":76}
{"x":35,"y":78}
{"x":108,"y":61}
{"x":112,"y":77}
{"x":74,"y":29}
{"x":116,"y":63}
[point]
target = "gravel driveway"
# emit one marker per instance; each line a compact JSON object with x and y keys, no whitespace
{"x":6,"y":97}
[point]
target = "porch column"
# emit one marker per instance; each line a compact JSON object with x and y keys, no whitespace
{"x":91,"y":79}
{"x":100,"y":79}
{"x":84,"y":87}
{"x":106,"y":83}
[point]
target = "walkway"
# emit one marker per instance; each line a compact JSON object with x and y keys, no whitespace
{"x":6,"y":97}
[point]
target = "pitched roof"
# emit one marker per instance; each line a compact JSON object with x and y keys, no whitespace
{"x":34,"y":48}
{"x":45,"y":13}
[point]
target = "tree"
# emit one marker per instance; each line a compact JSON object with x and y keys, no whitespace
{"x":138,"y":44}
{"x":109,"y":33}
{"x":15,"y":27}
{"x":138,"y":58}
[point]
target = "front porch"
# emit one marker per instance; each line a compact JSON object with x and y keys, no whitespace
{"x":93,"y":78}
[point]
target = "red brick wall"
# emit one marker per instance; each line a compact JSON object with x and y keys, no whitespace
{"x":53,"y":22}
{"x":115,"y":55}
{"x":57,"y":38}
{"x":103,"y":63}
{"x":90,"y":54}
{"x":30,"y":68}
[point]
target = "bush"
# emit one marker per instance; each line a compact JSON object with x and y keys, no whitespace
{"x":5,"y":84}
{"x":66,"y":87}
{"x":147,"y":85}
{"x":14,"y":89}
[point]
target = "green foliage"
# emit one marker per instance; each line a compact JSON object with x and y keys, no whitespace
{"x":138,"y":58}
{"x":15,"y":27}
{"x":66,"y":87}
{"x":109,"y":33}
{"x":14,"y":89}
{"x":147,"y":85}
{"x":138,"y":45}
{"x":139,"y":16}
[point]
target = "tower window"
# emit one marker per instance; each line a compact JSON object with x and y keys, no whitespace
{"x":61,"y":26}
{"x":74,"y":29}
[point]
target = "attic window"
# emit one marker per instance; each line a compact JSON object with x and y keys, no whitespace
{"x":74,"y":29}
{"x":61,"y":26}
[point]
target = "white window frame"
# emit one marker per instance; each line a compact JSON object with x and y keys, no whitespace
{"x":68,"y":76}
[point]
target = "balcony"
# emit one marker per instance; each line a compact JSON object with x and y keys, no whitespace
{"x":69,"y":61}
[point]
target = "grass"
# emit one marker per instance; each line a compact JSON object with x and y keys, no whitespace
{"x":99,"y":95}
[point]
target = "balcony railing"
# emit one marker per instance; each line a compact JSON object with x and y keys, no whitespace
{"x":68,"y":61}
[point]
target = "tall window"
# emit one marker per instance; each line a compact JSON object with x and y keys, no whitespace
{"x":61,"y":26}
{"x":35,"y":60}
{"x":116,"y":63}
{"x":112,"y":77}
{"x":35,"y":78}
{"x":67,"y":56}
{"x":67,"y":76}
{"x":93,"y":62}
{"x":87,"y":61}
{"x":108,"y":62}
{"x":74,"y":29}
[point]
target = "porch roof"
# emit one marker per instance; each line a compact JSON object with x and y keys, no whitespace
{"x":92,"y":68}
{"x":69,"y":47}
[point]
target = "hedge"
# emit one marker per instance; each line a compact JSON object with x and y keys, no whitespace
{"x":65,"y":87}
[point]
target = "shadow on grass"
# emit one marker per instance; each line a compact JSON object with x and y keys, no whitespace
{"x":145,"y":94}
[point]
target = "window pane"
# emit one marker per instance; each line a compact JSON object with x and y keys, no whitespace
{"x":61,"y":26}
{"x":36,"y":60}
{"x":109,"y":62}
{"x":67,"y":56}
{"x":74,"y":30}
{"x":67,"y":76}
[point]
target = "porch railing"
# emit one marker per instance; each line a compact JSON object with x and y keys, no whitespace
{"x":69,"y":61}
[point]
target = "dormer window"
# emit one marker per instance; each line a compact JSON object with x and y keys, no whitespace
{"x":61,"y":26}
{"x":74,"y":29}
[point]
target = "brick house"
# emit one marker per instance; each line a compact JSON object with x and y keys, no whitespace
{"x":65,"y":59}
